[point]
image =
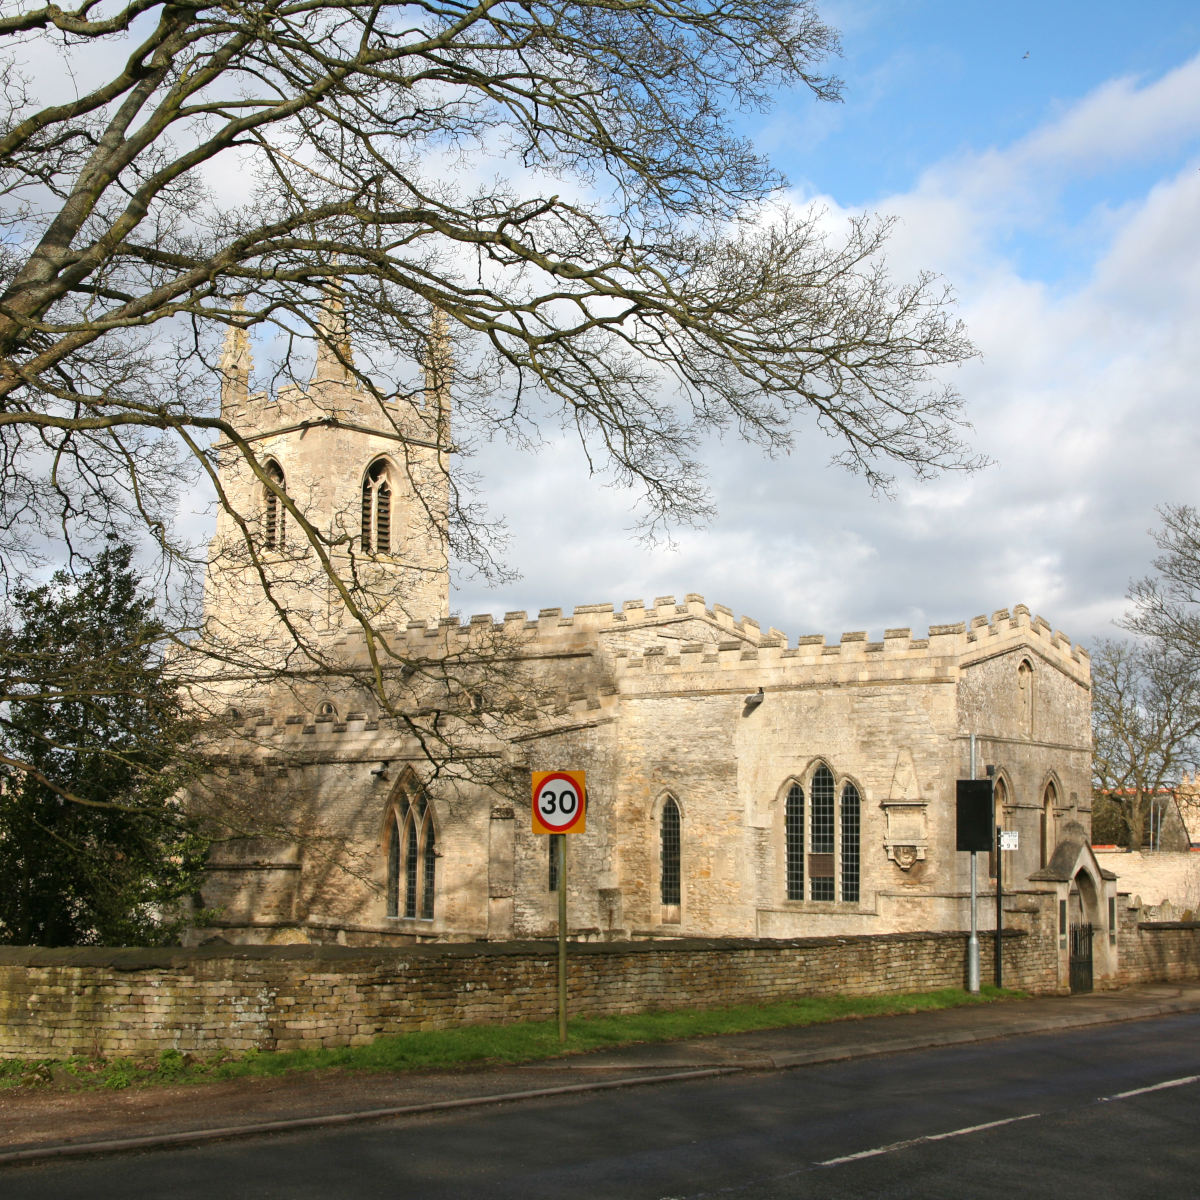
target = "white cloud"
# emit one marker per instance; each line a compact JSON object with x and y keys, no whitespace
{"x":1085,"y":395}
{"x":1120,"y":122}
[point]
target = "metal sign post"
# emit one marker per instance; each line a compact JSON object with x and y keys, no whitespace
{"x":562,"y":939}
{"x":973,"y":940}
{"x":973,"y":832}
{"x":1006,"y":842}
{"x":560,"y":806}
{"x":999,"y":950}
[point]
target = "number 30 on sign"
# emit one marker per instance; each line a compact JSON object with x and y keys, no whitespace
{"x":559,"y":802}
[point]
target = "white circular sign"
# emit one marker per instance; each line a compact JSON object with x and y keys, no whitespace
{"x":559,"y":803}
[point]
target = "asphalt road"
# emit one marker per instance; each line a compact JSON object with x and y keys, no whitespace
{"x":1112,"y":1111}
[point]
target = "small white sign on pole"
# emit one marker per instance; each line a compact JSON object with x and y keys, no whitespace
{"x":1008,"y":839}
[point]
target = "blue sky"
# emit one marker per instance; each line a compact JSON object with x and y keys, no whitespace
{"x":1059,"y":194}
{"x":926,"y":80}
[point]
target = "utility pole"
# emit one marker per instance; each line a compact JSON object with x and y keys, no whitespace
{"x":973,"y":941}
{"x":999,"y":968}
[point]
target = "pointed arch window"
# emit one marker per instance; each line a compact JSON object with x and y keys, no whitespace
{"x":1049,"y":800}
{"x":411,"y":858}
{"x":794,"y":841}
{"x":999,"y":820}
{"x":851,"y":809}
{"x":670,"y":868}
{"x":822,"y":839}
{"x":377,"y":509}
{"x":274,"y":511}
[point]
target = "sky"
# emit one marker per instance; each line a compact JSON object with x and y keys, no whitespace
{"x":1045,"y":159}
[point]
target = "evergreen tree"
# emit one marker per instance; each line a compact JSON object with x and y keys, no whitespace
{"x":94,"y":846}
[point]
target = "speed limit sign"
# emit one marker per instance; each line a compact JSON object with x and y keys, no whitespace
{"x":559,"y":802}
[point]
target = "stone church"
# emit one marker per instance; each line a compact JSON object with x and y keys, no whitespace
{"x":739,"y":784}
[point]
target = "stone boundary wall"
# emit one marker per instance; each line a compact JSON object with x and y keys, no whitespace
{"x":1157,"y":950}
{"x":55,"y":1003}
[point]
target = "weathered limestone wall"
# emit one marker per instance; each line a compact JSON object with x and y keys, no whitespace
{"x":324,"y":438}
{"x":1158,"y":878}
{"x":1155,"y":950}
{"x":1028,"y":702}
{"x":133,"y":1002}
{"x":650,"y":700}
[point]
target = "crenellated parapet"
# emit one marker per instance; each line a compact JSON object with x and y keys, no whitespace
{"x":665,"y":638}
{"x":580,"y":665}
{"x":946,"y":649}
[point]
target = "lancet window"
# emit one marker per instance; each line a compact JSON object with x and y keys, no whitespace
{"x":1000,"y":819}
{"x":850,"y":859}
{"x":794,"y":839}
{"x":669,"y":857}
{"x":1049,"y":832}
{"x":1025,"y":685}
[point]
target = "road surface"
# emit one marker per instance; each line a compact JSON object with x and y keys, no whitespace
{"x":1112,"y":1111}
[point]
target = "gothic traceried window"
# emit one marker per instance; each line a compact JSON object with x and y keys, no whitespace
{"x":822,"y":840}
{"x":411,"y":858}
{"x":377,"y":510}
{"x":274,"y":511}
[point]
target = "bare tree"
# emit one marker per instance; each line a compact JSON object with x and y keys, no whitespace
{"x":558,"y":179}
{"x":1145,"y":728}
{"x":1166,"y":606}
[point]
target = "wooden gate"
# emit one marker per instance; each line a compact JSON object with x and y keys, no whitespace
{"x":1081,"y":957}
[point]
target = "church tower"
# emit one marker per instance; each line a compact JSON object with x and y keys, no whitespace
{"x":332,"y":505}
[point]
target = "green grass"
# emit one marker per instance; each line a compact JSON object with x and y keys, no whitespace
{"x":523,"y":1042}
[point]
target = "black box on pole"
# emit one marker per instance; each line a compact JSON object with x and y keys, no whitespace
{"x":974,"y":827}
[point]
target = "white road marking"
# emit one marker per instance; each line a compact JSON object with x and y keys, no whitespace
{"x":920,"y":1141}
{"x":876,"y":1151}
{"x":1154,"y":1087}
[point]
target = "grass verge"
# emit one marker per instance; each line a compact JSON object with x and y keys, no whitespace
{"x":522,"y":1042}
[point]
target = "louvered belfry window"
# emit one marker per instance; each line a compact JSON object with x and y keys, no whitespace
{"x":274,"y":511}
{"x":377,"y":510}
